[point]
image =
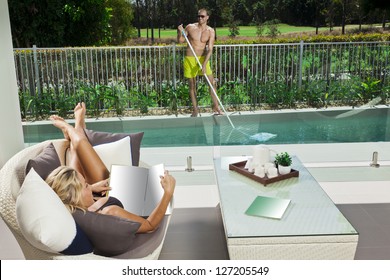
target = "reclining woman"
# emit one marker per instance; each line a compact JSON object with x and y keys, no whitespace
{"x":86,"y":174}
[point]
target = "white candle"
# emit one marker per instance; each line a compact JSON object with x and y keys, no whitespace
{"x":261,"y":154}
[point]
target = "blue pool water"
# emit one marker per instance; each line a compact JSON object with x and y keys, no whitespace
{"x":292,"y":127}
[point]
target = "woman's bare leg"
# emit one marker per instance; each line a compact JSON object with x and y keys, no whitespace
{"x":90,"y":169}
{"x":85,"y":158}
{"x":79,"y":113}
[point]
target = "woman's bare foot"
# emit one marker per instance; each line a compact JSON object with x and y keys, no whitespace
{"x":61,"y":124}
{"x":79,"y":114}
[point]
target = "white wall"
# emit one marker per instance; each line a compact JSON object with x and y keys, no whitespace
{"x":11,"y":133}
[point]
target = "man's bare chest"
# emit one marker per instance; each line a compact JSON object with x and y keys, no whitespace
{"x":201,"y":36}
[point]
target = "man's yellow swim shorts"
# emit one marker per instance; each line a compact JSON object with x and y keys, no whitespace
{"x":192,"y":69}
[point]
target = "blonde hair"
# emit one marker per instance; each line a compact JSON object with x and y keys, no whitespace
{"x":65,"y":182}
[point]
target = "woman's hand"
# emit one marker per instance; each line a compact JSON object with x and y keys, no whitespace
{"x":101,"y":187}
{"x":168,"y":183}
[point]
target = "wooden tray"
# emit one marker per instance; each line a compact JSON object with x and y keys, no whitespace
{"x":240,"y":168}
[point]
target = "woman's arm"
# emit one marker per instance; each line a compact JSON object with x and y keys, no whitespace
{"x":101,"y":187}
{"x":152,"y":222}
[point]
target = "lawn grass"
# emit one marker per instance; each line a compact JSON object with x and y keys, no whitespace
{"x":246,"y":31}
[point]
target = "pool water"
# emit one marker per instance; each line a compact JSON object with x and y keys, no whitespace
{"x":284,"y":127}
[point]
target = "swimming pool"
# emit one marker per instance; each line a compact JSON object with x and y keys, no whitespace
{"x":336,"y":125}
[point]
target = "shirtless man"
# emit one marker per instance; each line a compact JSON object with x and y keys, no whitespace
{"x":201,"y":37}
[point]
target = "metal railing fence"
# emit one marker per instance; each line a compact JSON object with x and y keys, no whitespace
{"x":65,"y":71}
{"x":41,"y":69}
{"x":294,"y":63}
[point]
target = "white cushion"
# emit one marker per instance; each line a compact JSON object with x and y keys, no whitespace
{"x":117,"y":152}
{"x":43,"y":219}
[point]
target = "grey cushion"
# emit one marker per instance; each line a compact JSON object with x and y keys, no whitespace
{"x":45,"y":162}
{"x":98,"y":138}
{"x":109,"y":235}
{"x":146,"y":243}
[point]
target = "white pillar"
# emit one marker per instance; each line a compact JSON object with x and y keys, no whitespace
{"x":11,"y":131}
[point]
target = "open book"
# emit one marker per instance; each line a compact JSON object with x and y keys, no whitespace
{"x":138,"y":188}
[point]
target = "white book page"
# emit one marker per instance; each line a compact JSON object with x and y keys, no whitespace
{"x":154,"y":191}
{"x":128,"y":184}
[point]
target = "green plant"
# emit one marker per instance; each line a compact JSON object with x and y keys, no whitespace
{"x":203,"y":94}
{"x":234,"y":29}
{"x":63,"y":104}
{"x":96,"y":95}
{"x":174,"y":96}
{"x":235,"y":93}
{"x":117,"y":98}
{"x":283,"y":159}
{"x":142,"y":100}
{"x":39,"y":105}
{"x":260,"y":29}
{"x":370,"y":88}
{"x":273,"y":29}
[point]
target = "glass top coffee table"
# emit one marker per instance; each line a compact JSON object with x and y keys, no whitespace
{"x":312,"y":227}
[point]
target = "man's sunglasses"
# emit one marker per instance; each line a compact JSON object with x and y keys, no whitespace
{"x":201,"y":16}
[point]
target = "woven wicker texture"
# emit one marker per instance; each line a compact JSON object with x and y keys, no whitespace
{"x":312,"y":227}
{"x":11,"y":178}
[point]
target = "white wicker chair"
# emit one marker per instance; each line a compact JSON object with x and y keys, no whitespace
{"x":11,"y":178}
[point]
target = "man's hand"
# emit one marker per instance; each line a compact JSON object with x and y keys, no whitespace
{"x":204,"y":68}
{"x":180,"y":28}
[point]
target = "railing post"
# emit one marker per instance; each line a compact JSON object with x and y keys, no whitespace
{"x":174,"y":64}
{"x":300,"y":64}
{"x":36,"y":70}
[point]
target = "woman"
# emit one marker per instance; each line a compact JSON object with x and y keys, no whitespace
{"x":86,"y":174}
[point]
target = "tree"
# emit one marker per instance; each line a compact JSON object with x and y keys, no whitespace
{"x":228,"y":17}
{"x":121,"y":21}
{"x":37,"y":23}
{"x":138,"y":13}
{"x":360,"y":13}
{"x":87,"y":23}
{"x":330,"y":14}
{"x":58,"y":23}
{"x":378,"y":4}
{"x":319,"y":11}
{"x":241,"y":12}
{"x":273,"y":29}
{"x":345,"y":8}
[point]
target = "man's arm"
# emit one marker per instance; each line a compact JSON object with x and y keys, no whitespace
{"x":209,"y":48}
{"x":180,"y":37}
